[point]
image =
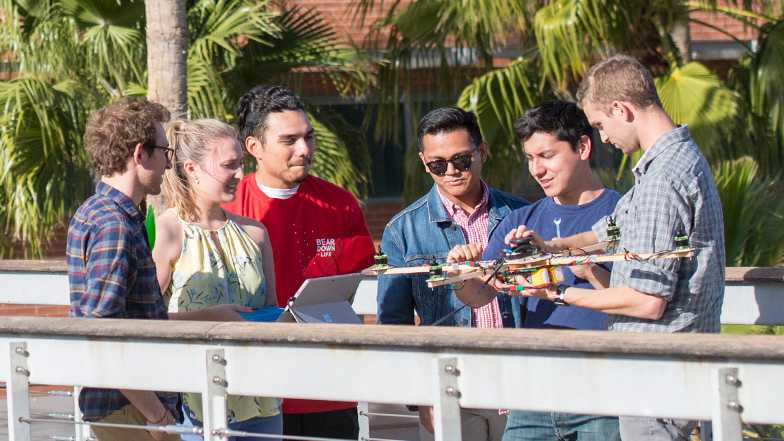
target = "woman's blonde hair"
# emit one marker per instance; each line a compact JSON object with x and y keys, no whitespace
{"x":190,"y":141}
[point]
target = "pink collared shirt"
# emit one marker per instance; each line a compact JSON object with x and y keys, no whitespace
{"x":475,"y":230}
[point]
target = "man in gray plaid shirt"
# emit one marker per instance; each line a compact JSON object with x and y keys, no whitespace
{"x":674,"y":194}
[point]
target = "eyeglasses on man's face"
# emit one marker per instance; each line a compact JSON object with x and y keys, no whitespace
{"x":461,"y":162}
{"x":168,"y":151}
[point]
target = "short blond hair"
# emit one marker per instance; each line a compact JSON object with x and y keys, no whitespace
{"x":618,"y":78}
{"x":190,"y":141}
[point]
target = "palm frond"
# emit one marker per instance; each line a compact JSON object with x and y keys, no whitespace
{"x":418,"y":47}
{"x":206,"y":91}
{"x":558,"y":27}
{"x":305,"y":42}
{"x":215,"y":28}
{"x":766,"y":88}
{"x":333,"y":161}
{"x":694,"y":95}
{"x":753,"y":214}
{"x":360,"y":9}
{"x":570,"y":33}
{"x":135,"y":89}
{"x":499,"y":98}
{"x":304,"y":38}
{"x":482,"y":25}
{"x":43,"y":165}
{"x":10,"y":25}
{"x":42,"y":44}
{"x":113,"y":35}
{"x":745,"y":12}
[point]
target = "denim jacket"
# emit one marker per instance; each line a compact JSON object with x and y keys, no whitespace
{"x":416,"y":235}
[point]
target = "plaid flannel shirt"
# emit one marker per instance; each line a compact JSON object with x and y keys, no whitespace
{"x":674,"y":193}
{"x":111,"y":274}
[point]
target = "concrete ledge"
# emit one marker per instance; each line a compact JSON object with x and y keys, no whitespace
{"x":679,"y":346}
{"x":34,"y":266}
{"x":746,"y":274}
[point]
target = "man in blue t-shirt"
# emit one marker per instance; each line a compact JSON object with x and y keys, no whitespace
{"x":556,"y":140}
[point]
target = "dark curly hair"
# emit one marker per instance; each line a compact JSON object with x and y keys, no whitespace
{"x":113,"y":131}
{"x":253,"y":107}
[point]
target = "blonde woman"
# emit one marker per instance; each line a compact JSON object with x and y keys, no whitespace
{"x":205,"y":256}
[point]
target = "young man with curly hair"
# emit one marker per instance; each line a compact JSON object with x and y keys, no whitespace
{"x":110,"y":268}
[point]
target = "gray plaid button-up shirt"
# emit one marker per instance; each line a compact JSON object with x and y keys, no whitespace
{"x":674,"y":193}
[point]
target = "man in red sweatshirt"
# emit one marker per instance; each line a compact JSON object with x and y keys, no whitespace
{"x":316,"y":228}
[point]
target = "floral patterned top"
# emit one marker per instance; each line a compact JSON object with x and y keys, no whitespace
{"x":216,"y":267}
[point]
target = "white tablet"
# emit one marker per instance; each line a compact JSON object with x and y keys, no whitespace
{"x":324,"y":300}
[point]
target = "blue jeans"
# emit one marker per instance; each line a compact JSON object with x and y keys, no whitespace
{"x":551,"y":426}
{"x":266,"y":425}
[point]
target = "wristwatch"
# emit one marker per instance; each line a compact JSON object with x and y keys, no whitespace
{"x":560,"y":295}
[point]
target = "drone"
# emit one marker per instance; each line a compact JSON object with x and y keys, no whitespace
{"x":524,"y":258}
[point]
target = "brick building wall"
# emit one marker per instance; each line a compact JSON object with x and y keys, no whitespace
{"x":339,"y":15}
{"x":36,"y":310}
{"x":700,"y":32}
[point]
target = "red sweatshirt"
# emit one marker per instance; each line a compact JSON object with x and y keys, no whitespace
{"x":320,"y":231}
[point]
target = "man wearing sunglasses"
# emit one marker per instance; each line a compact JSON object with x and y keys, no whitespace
{"x":451,"y":222}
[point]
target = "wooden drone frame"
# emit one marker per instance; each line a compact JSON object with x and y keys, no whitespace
{"x":538,"y":269}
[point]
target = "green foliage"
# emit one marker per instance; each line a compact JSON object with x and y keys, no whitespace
{"x":417,"y":181}
{"x":71,"y":57}
{"x":752,"y":215}
{"x":334,"y":159}
{"x":766,"y":90}
{"x":569,"y":34}
{"x":559,"y":40}
{"x":111,"y":37}
{"x":693,"y":95}
{"x":43,"y":170}
{"x":213,"y":30}
{"x":561,"y":25}
{"x":498,"y":98}
{"x":304,"y":40}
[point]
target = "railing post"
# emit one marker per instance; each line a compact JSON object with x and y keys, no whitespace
{"x":363,"y":407}
{"x":727,"y":424}
{"x":214,"y":397}
{"x":81,"y":431}
{"x":18,"y":390}
{"x":446,"y":409}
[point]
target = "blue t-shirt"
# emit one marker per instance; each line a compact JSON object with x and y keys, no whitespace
{"x":551,"y":220}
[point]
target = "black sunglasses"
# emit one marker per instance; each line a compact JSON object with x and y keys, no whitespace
{"x":168,"y":151}
{"x":461,"y":162}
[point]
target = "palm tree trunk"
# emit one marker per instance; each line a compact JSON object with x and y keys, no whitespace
{"x":167,"y":49}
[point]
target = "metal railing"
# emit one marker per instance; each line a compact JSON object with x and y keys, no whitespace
{"x":753,"y":296}
{"x":725,"y":379}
